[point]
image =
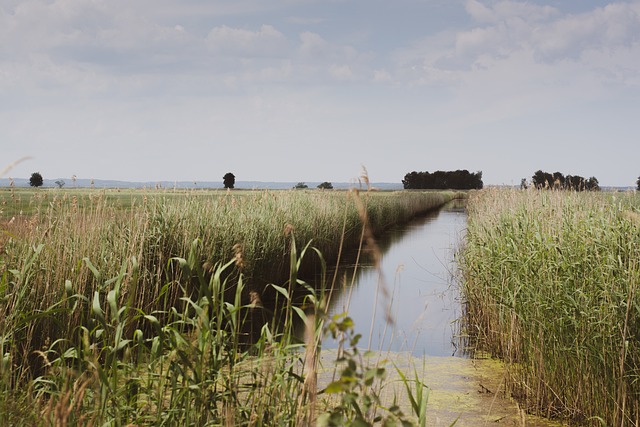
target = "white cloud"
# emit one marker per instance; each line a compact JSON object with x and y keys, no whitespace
{"x":480,"y":40}
{"x":341,"y":72}
{"x":313,"y":45}
{"x":381,"y":76}
{"x":505,"y":10}
{"x":266,"y":41}
{"x":300,"y":20}
{"x":609,"y":28}
{"x":514,"y":30}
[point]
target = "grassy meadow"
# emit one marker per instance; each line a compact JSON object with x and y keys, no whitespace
{"x":551,"y":281}
{"x":177,"y":307}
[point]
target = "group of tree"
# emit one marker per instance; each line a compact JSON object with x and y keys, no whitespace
{"x":440,"y":180}
{"x":559,"y":181}
{"x":323,"y":186}
{"x":455,"y":180}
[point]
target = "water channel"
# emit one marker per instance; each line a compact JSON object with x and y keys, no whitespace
{"x":414,"y":288}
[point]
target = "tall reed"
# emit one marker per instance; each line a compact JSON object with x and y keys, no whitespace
{"x":551,"y":285}
{"x":115,"y":304}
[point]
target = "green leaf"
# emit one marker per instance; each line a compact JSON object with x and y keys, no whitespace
{"x":93,"y":269}
{"x":97,"y":310}
{"x":68,"y":288}
{"x":334,"y":387}
{"x":113,"y":304}
{"x":300,"y":312}
{"x":281,"y":290}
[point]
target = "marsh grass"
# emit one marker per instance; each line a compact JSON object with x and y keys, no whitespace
{"x":551,"y":283}
{"x":162,"y":308}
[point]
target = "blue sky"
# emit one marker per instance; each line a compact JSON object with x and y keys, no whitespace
{"x":304,"y":90}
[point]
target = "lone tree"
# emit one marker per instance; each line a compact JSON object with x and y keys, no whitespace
{"x":229,"y":180}
{"x":301,"y":185}
{"x":60,"y":183}
{"x":325,"y":186}
{"x":36,"y":180}
{"x":638,"y":182}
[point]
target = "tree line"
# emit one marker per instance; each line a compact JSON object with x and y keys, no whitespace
{"x":558,"y":181}
{"x":443,"y":180}
{"x":456,"y":180}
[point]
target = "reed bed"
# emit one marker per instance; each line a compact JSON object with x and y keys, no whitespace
{"x":551,"y":285}
{"x":149,"y":308}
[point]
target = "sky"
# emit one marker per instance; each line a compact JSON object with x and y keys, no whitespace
{"x":317,"y":90}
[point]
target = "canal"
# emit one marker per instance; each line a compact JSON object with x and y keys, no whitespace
{"x":412,"y":287}
{"x":407,"y":310}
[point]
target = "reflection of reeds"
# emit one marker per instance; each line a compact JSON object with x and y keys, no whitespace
{"x":551,"y":283}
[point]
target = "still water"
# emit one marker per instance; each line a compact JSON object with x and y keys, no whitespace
{"x":413,"y":287}
{"x":416,"y":269}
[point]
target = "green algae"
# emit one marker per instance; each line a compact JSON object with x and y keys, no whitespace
{"x":467,"y":392}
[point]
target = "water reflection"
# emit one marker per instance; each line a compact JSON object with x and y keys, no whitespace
{"x":413,"y":285}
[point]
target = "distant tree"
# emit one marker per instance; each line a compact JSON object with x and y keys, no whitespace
{"x":325,"y":186}
{"x":229,"y":180}
{"x":576,"y":183}
{"x":524,"y":184}
{"x":301,"y":185}
{"x":60,"y":183}
{"x":592,"y":184}
{"x":542,"y":180}
{"x":36,"y":180}
{"x":558,"y":181}
{"x":440,"y":180}
{"x":638,"y":183}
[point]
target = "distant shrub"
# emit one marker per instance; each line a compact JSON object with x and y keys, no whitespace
{"x":325,"y":186}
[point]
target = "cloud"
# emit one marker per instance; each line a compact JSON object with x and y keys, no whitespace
{"x":511,"y":31}
{"x":300,"y":20}
{"x":505,"y":10}
{"x":267,"y":41}
{"x":381,"y":76}
{"x":312,"y":45}
{"x":609,"y":28}
{"x":518,"y":61}
{"x":341,"y":72}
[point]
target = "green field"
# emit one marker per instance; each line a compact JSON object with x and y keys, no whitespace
{"x":176,"y":307}
{"x":551,"y":285}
